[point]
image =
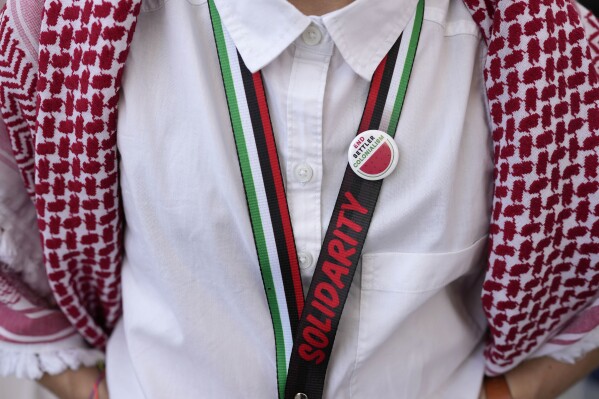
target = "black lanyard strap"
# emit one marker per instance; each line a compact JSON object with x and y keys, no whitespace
{"x":304,"y":344}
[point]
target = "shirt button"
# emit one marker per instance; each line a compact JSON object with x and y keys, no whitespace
{"x":305,"y":259}
{"x":312,"y":36}
{"x":304,"y":173}
{"x":300,"y":396}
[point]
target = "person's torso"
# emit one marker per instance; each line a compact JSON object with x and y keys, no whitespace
{"x":196,"y":321}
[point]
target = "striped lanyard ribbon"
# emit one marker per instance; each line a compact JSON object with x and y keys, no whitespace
{"x":304,"y":330}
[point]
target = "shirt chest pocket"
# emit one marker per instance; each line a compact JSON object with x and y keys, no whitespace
{"x":417,"y":316}
{"x":418,"y":272}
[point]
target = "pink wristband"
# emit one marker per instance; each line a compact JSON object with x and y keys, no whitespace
{"x":95,"y":394}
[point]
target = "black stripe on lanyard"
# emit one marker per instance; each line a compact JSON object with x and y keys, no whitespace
{"x":383,"y":90}
{"x":271,"y":195}
{"x":330,"y":285}
{"x":338,"y":258}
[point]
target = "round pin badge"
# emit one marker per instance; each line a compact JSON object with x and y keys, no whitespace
{"x":373,"y":155}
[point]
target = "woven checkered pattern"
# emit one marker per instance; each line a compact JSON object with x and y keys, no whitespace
{"x":592,"y":24}
{"x":82,"y":50}
{"x":17,"y":97}
{"x":543,"y":97}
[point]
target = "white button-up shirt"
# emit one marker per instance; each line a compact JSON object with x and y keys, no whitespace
{"x":196,"y":323}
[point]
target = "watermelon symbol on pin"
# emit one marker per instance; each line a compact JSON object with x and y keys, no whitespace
{"x":373,"y":155}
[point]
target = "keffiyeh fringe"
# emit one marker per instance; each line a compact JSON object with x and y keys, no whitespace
{"x":571,"y":353}
{"x":32,"y":365}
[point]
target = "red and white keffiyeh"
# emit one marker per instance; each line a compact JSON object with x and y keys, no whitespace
{"x":60,"y":69}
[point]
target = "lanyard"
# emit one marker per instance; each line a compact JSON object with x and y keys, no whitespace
{"x":304,"y":329}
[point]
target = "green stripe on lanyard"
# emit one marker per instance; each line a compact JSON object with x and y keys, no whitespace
{"x":407,"y":71}
{"x":240,"y":129}
{"x":311,"y":337}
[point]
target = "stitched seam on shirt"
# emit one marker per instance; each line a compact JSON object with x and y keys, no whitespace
{"x":476,"y":34}
{"x":145,"y":10}
{"x":482,"y":64}
{"x":353,"y":377}
{"x":196,"y":3}
{"x":145,"y":7}
{"x":326,"y":53}
{"x":453,"y":28}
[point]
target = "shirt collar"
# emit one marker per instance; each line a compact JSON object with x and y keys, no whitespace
{"x":363,"y":31}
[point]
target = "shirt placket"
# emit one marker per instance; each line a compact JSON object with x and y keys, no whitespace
{"x":304,"y":142}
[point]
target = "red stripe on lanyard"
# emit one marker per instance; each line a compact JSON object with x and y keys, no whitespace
{"x":372,"y":96}
{"x":281,"y":197}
